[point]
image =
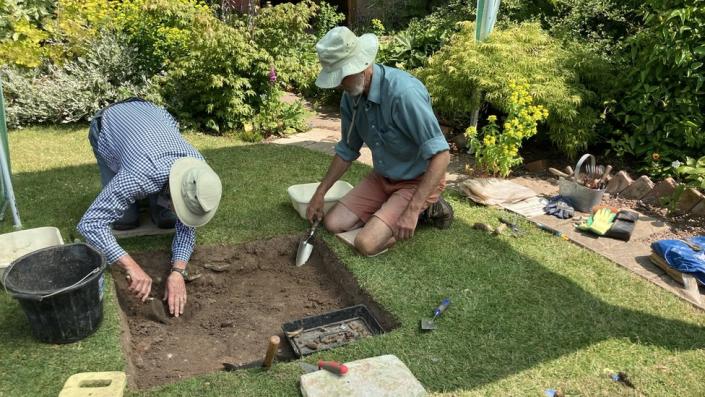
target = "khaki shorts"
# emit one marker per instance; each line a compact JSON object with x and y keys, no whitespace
{"x":384,"y":198}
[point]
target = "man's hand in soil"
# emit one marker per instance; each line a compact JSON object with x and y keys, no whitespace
{"x":175,"y":293}
{"x":140,"y":282}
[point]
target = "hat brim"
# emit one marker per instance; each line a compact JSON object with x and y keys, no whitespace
{"x":176,"y":175}
{"x":356,"y":63}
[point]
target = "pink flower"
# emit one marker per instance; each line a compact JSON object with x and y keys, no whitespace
{"x":272,"y":75}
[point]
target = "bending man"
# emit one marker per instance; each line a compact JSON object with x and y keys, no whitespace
{"x":140,"y":154}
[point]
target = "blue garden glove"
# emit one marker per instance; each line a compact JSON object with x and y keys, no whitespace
{"x":559,"y":207}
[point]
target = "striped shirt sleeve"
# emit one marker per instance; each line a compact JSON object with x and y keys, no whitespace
{"x":107,"y":208}
{"x":183,"y":243}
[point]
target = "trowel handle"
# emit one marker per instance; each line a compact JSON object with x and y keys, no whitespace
{"x":334,"y":367}
{"x":313,"y":228}
{"x":441,"y":308}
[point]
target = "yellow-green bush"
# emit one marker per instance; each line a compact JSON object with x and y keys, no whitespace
{"x":463,"y":74}
{"x":55,"y":31}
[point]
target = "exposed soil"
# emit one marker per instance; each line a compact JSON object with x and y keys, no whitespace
{"x":243,"y":296}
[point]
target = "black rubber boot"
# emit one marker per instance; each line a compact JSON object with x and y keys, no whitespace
{"x":438,"y":214}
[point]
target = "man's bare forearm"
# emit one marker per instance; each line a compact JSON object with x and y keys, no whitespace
{"x":337,"y":168}
{"x":435,"y":172}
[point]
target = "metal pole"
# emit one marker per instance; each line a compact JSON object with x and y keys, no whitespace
{"x":5,"y":165}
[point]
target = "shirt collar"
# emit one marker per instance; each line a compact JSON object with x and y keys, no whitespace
{"x":375,"y":93}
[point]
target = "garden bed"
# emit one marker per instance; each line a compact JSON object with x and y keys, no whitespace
{"x":231,"y":314}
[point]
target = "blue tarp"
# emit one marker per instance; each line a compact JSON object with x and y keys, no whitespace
{"x":681,"y":257}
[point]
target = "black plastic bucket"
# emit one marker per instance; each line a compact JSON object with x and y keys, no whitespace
{"x":60,"y":289}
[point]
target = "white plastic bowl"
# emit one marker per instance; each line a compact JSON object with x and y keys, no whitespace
{"x":16,"y":244}
{"x":300,"y":195}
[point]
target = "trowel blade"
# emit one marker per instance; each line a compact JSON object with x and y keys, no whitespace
{"x":428,"y":324}
{"x":158,"y":313}
{"x":304,"y":252}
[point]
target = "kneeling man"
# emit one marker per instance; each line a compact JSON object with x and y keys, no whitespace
{"x":390,"y":111}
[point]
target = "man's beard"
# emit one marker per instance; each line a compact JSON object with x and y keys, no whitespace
{"x":359,"y":86}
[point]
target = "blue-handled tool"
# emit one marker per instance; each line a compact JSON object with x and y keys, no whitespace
{"x":428,"y":324}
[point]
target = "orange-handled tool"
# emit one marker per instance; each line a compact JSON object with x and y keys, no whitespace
{"x":334,"y":367}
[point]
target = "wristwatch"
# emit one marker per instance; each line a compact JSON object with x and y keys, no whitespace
{"x":182,"y":272}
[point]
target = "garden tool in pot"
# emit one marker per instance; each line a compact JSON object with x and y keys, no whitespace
{"x":306,"y":246}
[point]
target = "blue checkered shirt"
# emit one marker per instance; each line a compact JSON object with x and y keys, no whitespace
{"x":139,"y":141}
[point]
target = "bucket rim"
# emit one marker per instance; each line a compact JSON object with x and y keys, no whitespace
{"x":39,"y":295}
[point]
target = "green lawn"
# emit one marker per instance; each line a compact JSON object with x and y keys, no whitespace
{"x":528,"y":314}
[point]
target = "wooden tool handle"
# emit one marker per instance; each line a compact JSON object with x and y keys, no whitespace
{"x":271,"y":351}
{"x":334,"y":367}
{"x":558,"y":173}
{"x":606,"y":174}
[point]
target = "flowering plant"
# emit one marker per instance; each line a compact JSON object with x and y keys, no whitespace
{"x":497,"y":150}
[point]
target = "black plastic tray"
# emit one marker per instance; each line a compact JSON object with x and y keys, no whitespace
{"x":330,"y":330}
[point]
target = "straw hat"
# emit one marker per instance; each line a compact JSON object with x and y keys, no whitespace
{"x":341,"y":54}
{"x":195,"y":191}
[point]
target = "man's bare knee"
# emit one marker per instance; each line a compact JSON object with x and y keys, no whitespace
{"x":340,"y":219}
{"x":367,"y":246}
{"x":333,"y":225}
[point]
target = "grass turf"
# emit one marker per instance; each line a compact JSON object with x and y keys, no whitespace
{"x":528,"y":314}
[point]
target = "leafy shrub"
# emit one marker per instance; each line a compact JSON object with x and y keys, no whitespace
{"x":662,"y":108}
{"x":602,"y":24}
{"x":20,"y":35}
{"x":327,"y":18}
{"x":160,"y":29}
{"x":216,"y":83}
{"x":465,"y":74}
{"x":75,"y":90}
{"x":498,"y":151}
{"x":409,"y":48}
{"x":276,"y":118}
{"x":393,"y":13}
{"x":36,"y":30}
{"x":282,"y":31}
{"x":692,"y":172}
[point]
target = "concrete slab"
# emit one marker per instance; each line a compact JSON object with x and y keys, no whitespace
{"x":618,"y":183}
{"x":382,"y":376}
{"x":699,"y":209}
{"x":640,"y":188}
{"x":689,"y":199}
{"x":661,"y":189}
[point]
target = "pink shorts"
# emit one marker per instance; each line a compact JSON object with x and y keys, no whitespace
{"x":384,"y":198}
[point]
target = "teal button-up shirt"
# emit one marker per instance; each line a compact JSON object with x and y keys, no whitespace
{"x":396,"y":122}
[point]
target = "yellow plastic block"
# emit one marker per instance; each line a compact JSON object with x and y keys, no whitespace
{"x":95,"y":384}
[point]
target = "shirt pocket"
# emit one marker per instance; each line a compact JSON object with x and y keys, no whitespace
{"x":393,"y":140}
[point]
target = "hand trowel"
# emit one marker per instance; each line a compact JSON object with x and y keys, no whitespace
{"x":306,"y":246}
{"x":429,"y":324}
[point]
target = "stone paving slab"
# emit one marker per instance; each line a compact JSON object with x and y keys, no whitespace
{"x":632,"y":255}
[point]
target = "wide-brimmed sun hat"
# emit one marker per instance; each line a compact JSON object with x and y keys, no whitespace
{"x":195,"y":191}
{"x":342,"y":53}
